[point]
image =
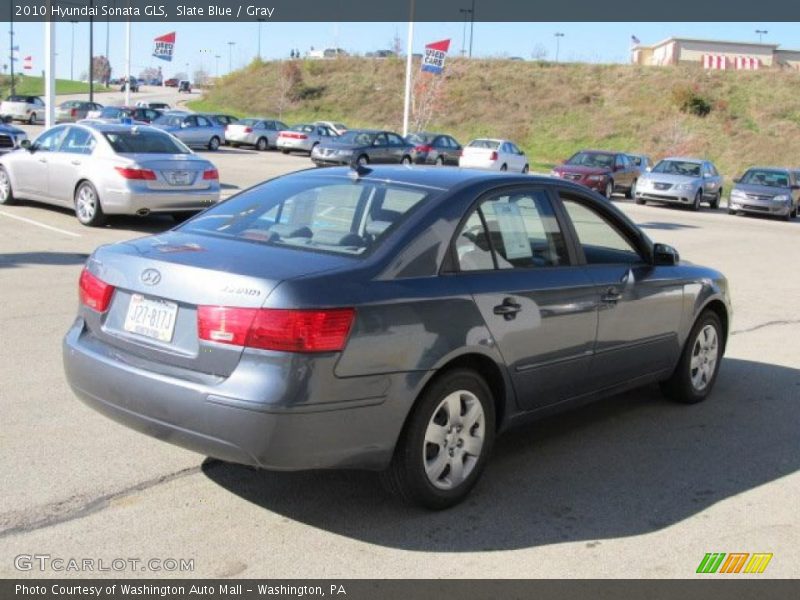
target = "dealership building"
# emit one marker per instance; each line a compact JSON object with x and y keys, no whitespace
{"x":715,"y":54}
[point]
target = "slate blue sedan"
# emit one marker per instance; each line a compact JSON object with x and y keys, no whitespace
{"x":196,"y":131}
{"x":388,"y":318}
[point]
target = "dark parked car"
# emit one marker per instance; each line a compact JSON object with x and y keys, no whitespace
{"x":434,"y":149}
{"x":766,"y":191}
{"x":134,"y":85}
{"x":391,"y":319}
{"x":363,"y":146}
{"x":185,"y":86}
{"x":605,"y":172}
{"x":137,"y":113}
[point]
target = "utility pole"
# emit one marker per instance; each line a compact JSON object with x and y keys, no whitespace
{"x":230,"y":56}
{"x":260,"y":21}
{"x":216,"y":65}
{"x":72,"y":53}
{"x":11,"y":58}
{"x":471,"y":26}
{"x":465,"y":12}
{"x":558,"y":36}
{"x":128,"y":62}
{"x":50,"y":69}
{"x":409,"y":58}
{"x":91,"y":55}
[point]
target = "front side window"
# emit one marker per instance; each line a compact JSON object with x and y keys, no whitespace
{"x":516,"y":231}
{"x":50,"y":140}
{"x":602,"y":242}
{"x":332,"y":214}
{"x":78,"y":141}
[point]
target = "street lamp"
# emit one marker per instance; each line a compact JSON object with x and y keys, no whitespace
{"x":761,"y":32}
{"x":216,"y":65}
{"x":471,"y":26}
{"x":230,"y":56}
{"x":558,"y":36}
{"x":465,"y":12}
{"x":72,"y":53}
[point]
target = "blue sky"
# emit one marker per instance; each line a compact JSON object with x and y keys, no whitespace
{"x":198,"y":43}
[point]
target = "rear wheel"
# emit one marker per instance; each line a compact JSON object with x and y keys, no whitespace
{"x":696,"y":373}
{"x":439,"y":161}
{"x":32,"y":119}
{"x":6,"y":193}
{"x":698,"y":198}
{"x":715,"y":202}
{"x":446,"y":442}
{"x":504,"y":168}
{"x":262,"y":144}
{"x":88,"y":209}
{"x":525,"y":169}
{"x":632,"y":191}
{"x":213,"y":144}
{"x":406,"y":161}
{"x":609,"y":189}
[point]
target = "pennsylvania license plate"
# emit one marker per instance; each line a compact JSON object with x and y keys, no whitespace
{"x":180,"y":177}
{"x":151,"y":318}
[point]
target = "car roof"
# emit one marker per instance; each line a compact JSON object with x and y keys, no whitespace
{"x":763,"y":168}
{"x":104,"y":127}
{"x":685,"y":159}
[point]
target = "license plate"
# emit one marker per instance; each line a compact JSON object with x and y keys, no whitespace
{"x":151,"y":318}
{"x":180,"y":177}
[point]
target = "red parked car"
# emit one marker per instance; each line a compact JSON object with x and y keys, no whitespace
{"x":604,"y":172}
{"x":171,"y":82}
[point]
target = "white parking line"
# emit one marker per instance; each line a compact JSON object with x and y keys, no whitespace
{"x":38,"y":224}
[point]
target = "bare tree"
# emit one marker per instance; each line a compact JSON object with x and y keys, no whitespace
{"x":539,"y":52}
{"x":290,"y":78}
{"x":101,"y":69}
{"x":149,"y":74}
{"x":200,"y":78}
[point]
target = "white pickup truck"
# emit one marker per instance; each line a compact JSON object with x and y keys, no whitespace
{"x":29,"y":109}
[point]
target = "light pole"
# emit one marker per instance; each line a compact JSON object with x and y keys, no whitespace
{"x":465,"y":12}
{"x":761,"y":32}
{"x":558,"y":36}
{"x":471,"y":26}
{"x":230,"y":56}
{"x":72,"y":53}
{"x":216,"y":65}
{"x":260,"y":21}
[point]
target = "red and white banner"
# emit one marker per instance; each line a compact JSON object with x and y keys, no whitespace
{"x":715,"y":61}
{"x":435,"y":53}
{"x":27,"y":63}
{"x":164,"y":46}
{"x":748,"y":63}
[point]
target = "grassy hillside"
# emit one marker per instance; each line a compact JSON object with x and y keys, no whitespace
{"x":34,"y":86}
{"x":551,"y":110}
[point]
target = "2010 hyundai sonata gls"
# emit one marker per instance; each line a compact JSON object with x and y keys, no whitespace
{"x":392,"y":319}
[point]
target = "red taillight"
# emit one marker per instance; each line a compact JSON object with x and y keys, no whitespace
{"x":248,"y":130}
{"x":74,"y":112}
{"x":493,"y":156}
{"x":211,"y":174}
{"x":276,"y":329}
{"x":94,"y":292}
{"x":294,"y":136}
{"x":129,"y":173}
{"x":424,"y":148}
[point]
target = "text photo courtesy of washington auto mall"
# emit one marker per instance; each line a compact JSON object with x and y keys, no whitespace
{"x":399,"y":299}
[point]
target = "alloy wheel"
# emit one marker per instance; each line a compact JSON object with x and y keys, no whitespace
{"x":5,"y":187}
{"x":86,"y":204}
{"x":705,"y":354}
{"x":454,"y":440}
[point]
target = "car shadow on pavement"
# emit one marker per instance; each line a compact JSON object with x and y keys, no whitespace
{"x":666,"y":226}
{"x":20,"y":259}
{"x":628,"y":465}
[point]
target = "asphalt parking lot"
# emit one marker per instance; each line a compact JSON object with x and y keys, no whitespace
{"x":630,"y":487}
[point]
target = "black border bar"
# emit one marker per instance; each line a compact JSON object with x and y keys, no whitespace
{"x":399,"y":10}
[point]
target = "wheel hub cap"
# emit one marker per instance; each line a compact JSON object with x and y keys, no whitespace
{"x":705,"y":353}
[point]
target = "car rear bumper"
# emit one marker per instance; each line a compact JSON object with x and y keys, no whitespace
{"x":290,"y":144}
{"x":218,"y":419}
{"x":130,"y":202}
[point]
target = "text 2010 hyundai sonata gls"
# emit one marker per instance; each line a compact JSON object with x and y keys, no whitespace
{"x":392,"y":319}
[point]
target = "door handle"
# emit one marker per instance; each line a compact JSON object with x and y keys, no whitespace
{"x":611,"y":296}
{"x":508,"y":309}
{"x":75,"y":162}
{"x":42,"y":160}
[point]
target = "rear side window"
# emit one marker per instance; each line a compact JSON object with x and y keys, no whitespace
{"x":601,"y":241}
{"x":514,"y":231}
{"x":331,"y":214}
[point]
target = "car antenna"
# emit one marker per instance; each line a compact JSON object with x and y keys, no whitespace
{"x":357,"y":170}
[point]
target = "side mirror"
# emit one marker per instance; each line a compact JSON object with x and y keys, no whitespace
{"x":665,"y":255}
{"x":737,"y":180}
{"x":26,"y":145}
{"x":648,"y":169}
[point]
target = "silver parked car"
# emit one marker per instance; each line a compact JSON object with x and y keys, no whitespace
{"x":336,"y":126}
{"x":686,"y":181}
{"x":193,"y":130}
{"x":75,"y":110}
{"x":260,"y":133}
{"x":304,"y":138}
{"x":102,"y":169}
{"x":28,"y":109}
{"x":766,"y":191}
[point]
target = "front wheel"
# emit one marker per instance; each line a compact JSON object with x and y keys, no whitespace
{"x":609,"y":189}
{"x":406,"y":161}
{"x":262,"y":144}
{"x":446,"y":442}
{"x":698,"y":198}
{"x":6,"y":192}
{"x":715,"y":202}
{"x":696,"y":373}
{"x":525,"y":169}
{"x":213,"y":144}
{"x":32,"y":119}
{"x":632,"y":191}
{"x":87,"y":206}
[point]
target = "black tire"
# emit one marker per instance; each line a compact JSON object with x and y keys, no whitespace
{"x":609,"y":191}
{"x":284,"y":151}
{"x":641,"y":201}
{"x":732,"y":212}
{"x":91,"y":217}
{"x":362,"y":160}
{"x":406,"y":161}
{"x":439,"y":161}
{"x":504,"y":168}
{"x":680,"y":386}
{"x":313,"y":146}
{"x":715,"y":202}
{"x":525,"y":169}
{"x":794,"y":212}
{"x":213,"y":144}
{"x":698,"y":198}
{"x":631,"y":193}
{"x":406,"y":475}
{"x":32,"y":119}
{"x":262,"y":144}
{"x":6,"y":191}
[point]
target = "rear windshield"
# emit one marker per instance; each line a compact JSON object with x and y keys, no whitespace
{"x":248,"y":122}
{"x":113,"y":112}
{"x":25,"y":99}
{"x":766,"y":177}
{"x":418,"y":138}
{"x":331,"y":214}
{"x":303,"y":128}
{"x":678,"y":167}
{"x":144,"y":141}
{"x":488,"y":144}
{"x":592,"y":159}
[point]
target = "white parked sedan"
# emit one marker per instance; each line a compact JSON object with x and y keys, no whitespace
{"x":304,"y":138}
{"x":99,"y":169}
{"x":29,"y":109}
{"x":261,"y":133}
{"x":494,"y":155}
